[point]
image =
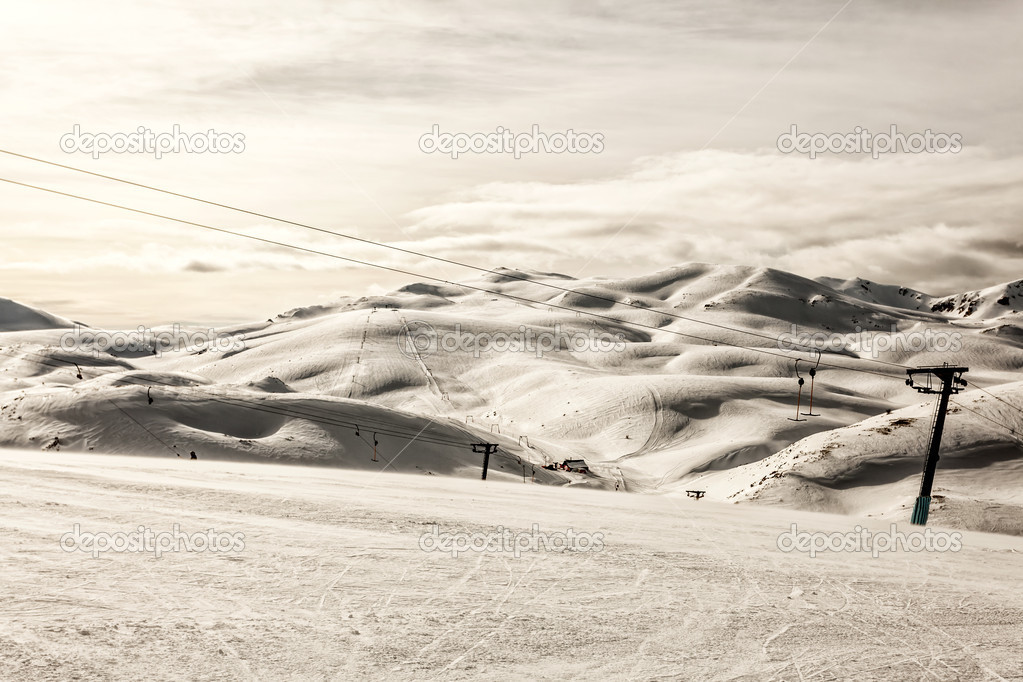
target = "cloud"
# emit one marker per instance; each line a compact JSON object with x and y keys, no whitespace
{"x":199,"y":266}
{"x":927,"y":221}
{"x":333,"y":97}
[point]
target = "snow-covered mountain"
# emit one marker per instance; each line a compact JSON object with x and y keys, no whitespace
{"x":995,"y":301}
{"x":985,"y":304}
{"x":16,"y":316}
{"x":682,"y":376}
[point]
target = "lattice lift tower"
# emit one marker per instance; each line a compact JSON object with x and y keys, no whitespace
{"x":951,"y":379}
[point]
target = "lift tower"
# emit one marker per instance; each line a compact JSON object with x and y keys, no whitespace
{"x":951,"y":380}
{"x":487,"y":449}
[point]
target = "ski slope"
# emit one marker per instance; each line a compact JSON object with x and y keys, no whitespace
{"x":685,"y":400}
{"x":332,"y":583}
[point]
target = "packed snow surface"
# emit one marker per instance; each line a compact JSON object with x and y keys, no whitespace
{"x":332,"y":583}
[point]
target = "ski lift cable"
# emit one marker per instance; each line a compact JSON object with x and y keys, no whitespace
{"x":411,"y":252}
{"x":974,"y":384}
{"x":441,"y":280}
{"x":1015,"y":432}
{"x":142,"y":426}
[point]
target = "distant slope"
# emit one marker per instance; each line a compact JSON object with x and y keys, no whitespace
{"x":246,"y":424}
{"x":989,"y":303}
{"x":984,"y":304}
{"x":874,"y":466}
{"x":15,"y":317}
{"x":694,"y":374}
{"x":883,"y":294}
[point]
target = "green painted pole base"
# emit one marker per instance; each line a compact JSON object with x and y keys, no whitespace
{"x":920,"y":510}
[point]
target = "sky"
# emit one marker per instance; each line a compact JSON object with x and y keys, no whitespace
{"x":329,"y":102}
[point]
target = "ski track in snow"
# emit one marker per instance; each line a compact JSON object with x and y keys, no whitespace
{"x":332,"y":584}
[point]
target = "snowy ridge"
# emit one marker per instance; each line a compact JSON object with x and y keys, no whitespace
{"x":1003,"y":299}
{"x":15,"y":317}
{"x":686,"y":395}
{"x":873,"y":467}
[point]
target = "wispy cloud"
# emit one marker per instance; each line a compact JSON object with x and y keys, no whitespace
{"x":841,"y":216}
{"x":333,"y":97}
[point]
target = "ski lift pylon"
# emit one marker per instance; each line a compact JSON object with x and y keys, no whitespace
{"x":813,"y":373}
{"x":799,"y":395}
